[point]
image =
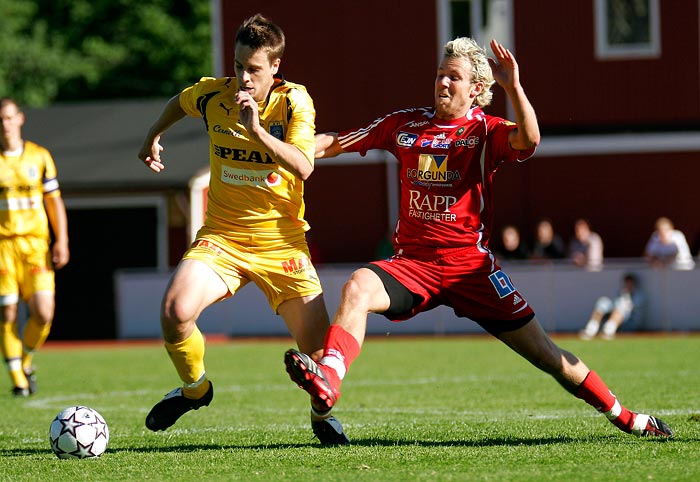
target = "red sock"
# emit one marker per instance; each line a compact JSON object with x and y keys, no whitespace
{"x":597,"y":394}
{"x":341,"y":349}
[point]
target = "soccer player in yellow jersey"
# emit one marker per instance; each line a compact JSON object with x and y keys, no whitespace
{"x":261,"y":130}
{"x":30,"y":200}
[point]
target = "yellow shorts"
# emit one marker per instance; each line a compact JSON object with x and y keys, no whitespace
{"x":280,"y":267}
{"x":25,"y":269}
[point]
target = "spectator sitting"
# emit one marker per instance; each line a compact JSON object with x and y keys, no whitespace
{"x":667,"y":247}
{"x":586,"y":249}
{"x":512,"y":248}
{"x":548,"y":244}
{"x":627,"y":308}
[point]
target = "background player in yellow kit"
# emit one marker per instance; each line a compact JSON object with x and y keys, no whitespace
{"x":30,"y":199}
{"x":261,"y":131}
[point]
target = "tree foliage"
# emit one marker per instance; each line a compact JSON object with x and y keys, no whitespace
{"x":74,"y":50}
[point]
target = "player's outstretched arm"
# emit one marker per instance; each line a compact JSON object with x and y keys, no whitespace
{"x":151,"y":148}
{"x":327,"y":145}
{"x":506,"y":73}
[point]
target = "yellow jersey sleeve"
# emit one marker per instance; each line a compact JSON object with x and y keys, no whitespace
{"x":302,"y":127}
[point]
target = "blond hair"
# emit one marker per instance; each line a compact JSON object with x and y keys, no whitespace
{"x":467,"y":48}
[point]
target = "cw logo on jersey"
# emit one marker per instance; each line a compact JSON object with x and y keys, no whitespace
{"x":406,"y":139}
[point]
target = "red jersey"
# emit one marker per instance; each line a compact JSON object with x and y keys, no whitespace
{"x":446,"y":173}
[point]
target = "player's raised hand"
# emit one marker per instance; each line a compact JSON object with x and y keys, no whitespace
{"x":150,"y":155}
{"x":504,"y":67}
{"x":248,"y":108}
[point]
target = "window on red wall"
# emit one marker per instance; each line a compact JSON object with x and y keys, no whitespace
{"x":481,"y":20}
{"x":627,"y":29}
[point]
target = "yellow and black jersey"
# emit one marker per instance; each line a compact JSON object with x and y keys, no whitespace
{"x":25,"y":179}
{"x":249,"y":192}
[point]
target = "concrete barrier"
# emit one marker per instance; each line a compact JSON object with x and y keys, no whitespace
{"x":561,"y":295}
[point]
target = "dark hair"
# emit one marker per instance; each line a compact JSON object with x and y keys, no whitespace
{"x":257,"y":32}
{"x":631,"y":277}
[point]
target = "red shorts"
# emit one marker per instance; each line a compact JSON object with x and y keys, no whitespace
{"x":468,"y":280}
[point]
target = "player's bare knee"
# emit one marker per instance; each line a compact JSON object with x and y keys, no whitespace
{"x":43,"y":313}
{"x":8,"y":313}
{"x":44,"y":317}
{"x":355,"y":291}
{"x":176,"y":313}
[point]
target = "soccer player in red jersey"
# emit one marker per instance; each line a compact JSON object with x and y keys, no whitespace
{"x":448,"y":156}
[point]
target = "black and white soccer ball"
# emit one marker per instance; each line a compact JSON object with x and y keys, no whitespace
{"x":78,"y":432}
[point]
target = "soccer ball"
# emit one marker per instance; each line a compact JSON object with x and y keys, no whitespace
{"x":78,"y":432}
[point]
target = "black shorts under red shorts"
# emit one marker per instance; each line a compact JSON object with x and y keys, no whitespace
{"x":468,"y":280}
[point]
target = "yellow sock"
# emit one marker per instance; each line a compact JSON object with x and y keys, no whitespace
{"x":35,"y":334}
{"x":188,"y":358}
{"x":11,"y":347}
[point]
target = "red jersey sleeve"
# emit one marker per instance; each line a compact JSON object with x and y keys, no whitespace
{"x":498,"y":131}
{"x":378,"y":135}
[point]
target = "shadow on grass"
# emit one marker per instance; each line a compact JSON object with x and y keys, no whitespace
{"x":367,"y":442}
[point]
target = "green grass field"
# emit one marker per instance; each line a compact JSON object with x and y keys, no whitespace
{"x":416,"y":409}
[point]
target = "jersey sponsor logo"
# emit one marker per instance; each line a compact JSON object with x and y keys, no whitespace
{"x":432,"y":171}
{"x":242,"y":155}
{"x":36,"y":269}
{"x":431,"y":207}
{"x":277,"y":130}
{"x":418,"y":124}
{"x":21,"y":203}
{"x":228,"y":131}
{"x":246,"y":177}
{"x":205,"y":243}
{"x":273,"y":179}
{"x":470,"y":142}
{"x":502,"y":283}
{"x":406,"y":139}
{"x":227,"y":109}
{"x":460,"y":131}
{"x":441,"y":142}
{"x":22,"y":189}
{"x":296,"y":266}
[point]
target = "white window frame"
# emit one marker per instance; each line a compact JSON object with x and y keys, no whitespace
{"x":605,"y":51}
{"x":502,"y":31}
{"x":444,"y":20}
